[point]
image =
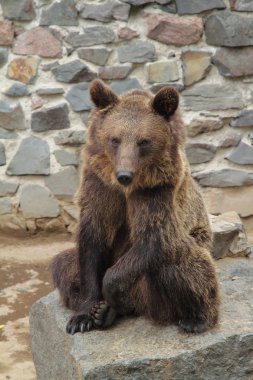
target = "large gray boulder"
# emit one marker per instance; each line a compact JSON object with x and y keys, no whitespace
{"x":135,"y":349}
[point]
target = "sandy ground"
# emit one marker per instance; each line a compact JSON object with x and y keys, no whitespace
{"x":24,"y":278}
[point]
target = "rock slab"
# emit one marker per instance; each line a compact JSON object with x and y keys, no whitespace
{"x":137,"y":349}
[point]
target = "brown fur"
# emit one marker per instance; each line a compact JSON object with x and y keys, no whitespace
{"x":143,"y":248}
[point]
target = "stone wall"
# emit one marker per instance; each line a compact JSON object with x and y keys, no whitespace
{"x":51,"y":50}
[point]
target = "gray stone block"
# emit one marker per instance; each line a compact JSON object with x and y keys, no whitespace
{"x":17,"y":89}
{"x":6,"y":135}
{"x":99,"y":56}
{"x":234,"y":63}
{"x":5,"y":206}
{"x":242,"y":155}
{"x":244,"y":119}
{"x":212,"y":97}
{"x":61,"y":13}
{"x":71,"y":138}
{"x":229,"y":29}
{"x":2,"y":154}
{"x":38,"y":202}
{"x":8,"y":188}
{"x":48,"y":91}
{"x":50,"y":118}
{"x":137,"y":349}
{"x":31,"y":158}
{"x":11,"y":116}
{"x":241,"y":5}
{"x":73,"y":72}
{"x":196,"y":6}
{"x":63,"y":183}
{"x":115,"y":72}
{"x":3,"y":56}
{"x":198,"y":153}
{"x":79,"y":98}
{"x":106,"y":11}
{"x":18,"y":9}
{"x":66,"y":158}
{"x":137,"y":52}
{"x":224,"y":178}
{"x":125,"y":85}
{"x":92,"y":35}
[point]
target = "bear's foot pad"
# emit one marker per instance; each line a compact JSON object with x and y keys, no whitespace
{"x":103,"y":315}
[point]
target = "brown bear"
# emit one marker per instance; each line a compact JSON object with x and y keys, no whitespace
{"x":143,"y":242}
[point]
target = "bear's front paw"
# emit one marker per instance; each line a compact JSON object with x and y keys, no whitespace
{"x":79,"y":323}
{"x":193,"y":326}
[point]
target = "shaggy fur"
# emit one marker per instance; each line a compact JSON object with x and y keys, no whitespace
{"x":141,"y":248}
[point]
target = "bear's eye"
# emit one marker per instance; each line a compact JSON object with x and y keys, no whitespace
{"x":115,"y":142}
{"x":143,"y":143}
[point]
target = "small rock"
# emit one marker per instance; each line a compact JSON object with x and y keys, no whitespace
{"x":196,"y":65}
{"x":2,"y":154}
{"x":31,"y":158}
{"x":73,"y":72}
{"x":137,"y":52}
{"x":17,"y":89}
{"x":7,"y":134}
{"x":224,"y":178}
{"x":71,"y":138}
{"x":233,"y":63}
{"x":50,"y":91}
{"x":63,"y":183}
{"x":66,"y":158}
{"x":5,"y":206}
{"x":51,"y":118}
{"x":107,"y":11}
{"x":196,"y":6}
{"x":37,"y":102}
{"x":229,"y":237}
{"x":3,"y":55}
{"x":126,"y":33}
{"x":229,"y":139}
{"x":115,"y":72}
{"x":22,"y":10}
{"x":99,"y":56}
{"x":174,"y":31}
{"x":63,"y":13}
{"x":212,"y":97}
{"x":241,"y":5}
{"x":242,"y":155}
{"x":228,"y":29}
{"x":198,"y":126}
{"x":8,"y":188}
{"x":23,"y":69}
{"x":6,"y":33}
{"x":38,"y":41}
{"x":93,"y":35}
{"x":79,"y":98}
{"x":12,"y":116}
{"x":125,"y":85}
{"x":162,"y":71}
{"x":49,"y":66}
{"x":53,"y":225}
{"x":244,"y":119}
{"x":198,"y":153}
{"x":38,"y":202}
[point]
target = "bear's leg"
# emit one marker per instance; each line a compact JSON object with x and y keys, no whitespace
{"x":192,"y":291}
{"x":65,"y":275}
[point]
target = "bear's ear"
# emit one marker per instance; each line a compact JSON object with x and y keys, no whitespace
{"x":165,"y":102}
{"x":101,"y":95}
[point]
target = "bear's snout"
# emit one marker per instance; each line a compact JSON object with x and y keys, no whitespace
{"x":125,"y":177}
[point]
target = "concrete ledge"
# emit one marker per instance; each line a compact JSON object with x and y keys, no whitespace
{"x":136,"y":349}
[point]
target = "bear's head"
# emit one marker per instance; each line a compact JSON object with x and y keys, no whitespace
{"x":134,"y":139}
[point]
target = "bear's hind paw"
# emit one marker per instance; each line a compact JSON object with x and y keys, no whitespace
{"x":193,"y":326}
{"x":103,"y":315}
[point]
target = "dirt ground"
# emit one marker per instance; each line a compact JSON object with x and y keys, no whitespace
{"x":24,"y":278}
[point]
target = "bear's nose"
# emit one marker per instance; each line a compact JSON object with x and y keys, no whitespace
{"x":125,"y":178}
